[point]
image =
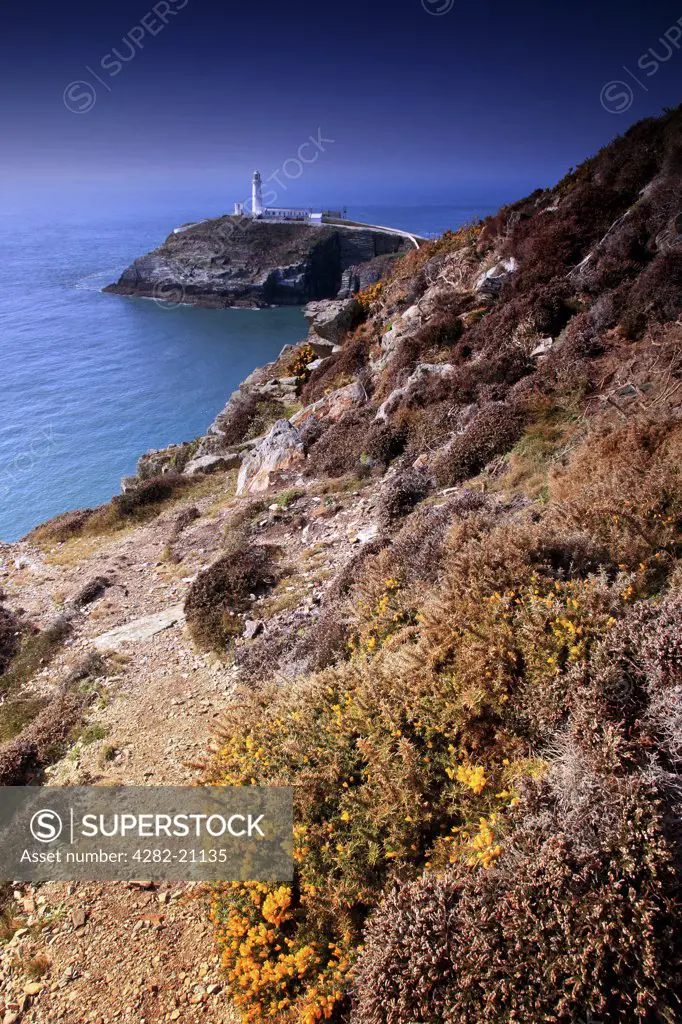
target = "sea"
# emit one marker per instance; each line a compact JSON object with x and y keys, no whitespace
{"x":90,"y":381}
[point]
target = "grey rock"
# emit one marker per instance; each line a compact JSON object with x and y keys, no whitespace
{"x":140,"y":629}
{"x":396,"y":396}
{"x":490,"y":283}
{"x":330,"y":319}
{"x":365,"y":535}
{"x":212,"y":463}
{"x":280,"y":450}
{"x":542,"y":347}
{"x":321,"y":346}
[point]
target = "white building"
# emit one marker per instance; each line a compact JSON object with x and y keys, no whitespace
{"x":279,"y":213}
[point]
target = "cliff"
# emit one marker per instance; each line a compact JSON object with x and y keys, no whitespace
{"x":232,"y":261}
{"x":426,"y":567}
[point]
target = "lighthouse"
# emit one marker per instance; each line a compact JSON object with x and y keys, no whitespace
{"x":256,"y":195}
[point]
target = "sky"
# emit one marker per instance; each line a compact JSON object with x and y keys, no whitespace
{"x":412,"y":101}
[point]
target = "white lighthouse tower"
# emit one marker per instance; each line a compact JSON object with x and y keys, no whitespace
{"x":256,"y":195}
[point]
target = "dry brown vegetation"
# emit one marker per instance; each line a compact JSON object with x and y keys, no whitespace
{"x":486,"y":745}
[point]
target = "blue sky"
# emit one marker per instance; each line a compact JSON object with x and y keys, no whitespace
{"x":429,"y":101}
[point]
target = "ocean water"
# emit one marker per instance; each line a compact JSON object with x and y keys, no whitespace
{"x":91,"y":381}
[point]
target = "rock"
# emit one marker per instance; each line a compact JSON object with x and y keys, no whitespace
{"x":490,"y":283}
{"x":10,"y":1017}
{"x":140,"y":629}
{"x":320,"y":346}
{"x":212,"y":463}
{"x":390,"y":404}
{"x":232,"y":261}
{"x":331,"y":319}
{"x":252,"y":627}
{"x":366,"y":534}
{"x":332,"y":406}
{"x":542,"y":347}
{"x":355,"y":278}
{"x":32,"y":988}
{"x":627,"y":391}
{"x":280,"y":450}
{"x":158,"y":461}
{"x":406,"y":323}
{"x":78,"y":917}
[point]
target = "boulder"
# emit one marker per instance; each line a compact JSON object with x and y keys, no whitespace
{"x":332,"y":406}
{"x":490,"y":283}
{"x":331,"y":318}
{"x":280,"y":450}
{"x":140,"y":629}
{"x":320,"y":346}
{"x":212,"y":463}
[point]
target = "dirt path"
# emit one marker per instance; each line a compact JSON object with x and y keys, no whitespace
{"x":117,"y":951}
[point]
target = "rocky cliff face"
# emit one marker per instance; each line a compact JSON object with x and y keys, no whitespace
{"x":230,"y":262}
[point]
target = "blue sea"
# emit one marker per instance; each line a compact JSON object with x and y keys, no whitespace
{"x":91,"y":381}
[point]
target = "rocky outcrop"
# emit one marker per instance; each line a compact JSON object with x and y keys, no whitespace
{"x":232,"y":262}
{"x":212,"y":463}
{"x":333,"y":406}
{"x":362,"y":275}
{"x":490,"y":283}
{"x":279,"y":451}
{"x":331,"y":319}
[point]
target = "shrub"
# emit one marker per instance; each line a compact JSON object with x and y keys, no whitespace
{"x":91,"y":591}
{"x":400,"y":494}
{"x":569,"y":925}
{"x":219,"y":594}
{"x":494,"y":431}
{"x":234,"y":423}
{"x":655,"y":297}
{"x":146,"y":498}
{"x":184,"y":519}
{"x":624,"y":485}
{"x":298,"y":365}
{"x":338,"y":369}
{"x":36,"y":652}
{"x":42,"y":740}
{"x":62,"y":527}
{"x":10,"y":632}
{"x":338,"y":451}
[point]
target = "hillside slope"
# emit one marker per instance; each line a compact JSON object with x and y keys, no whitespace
{"x":430,"y":564}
